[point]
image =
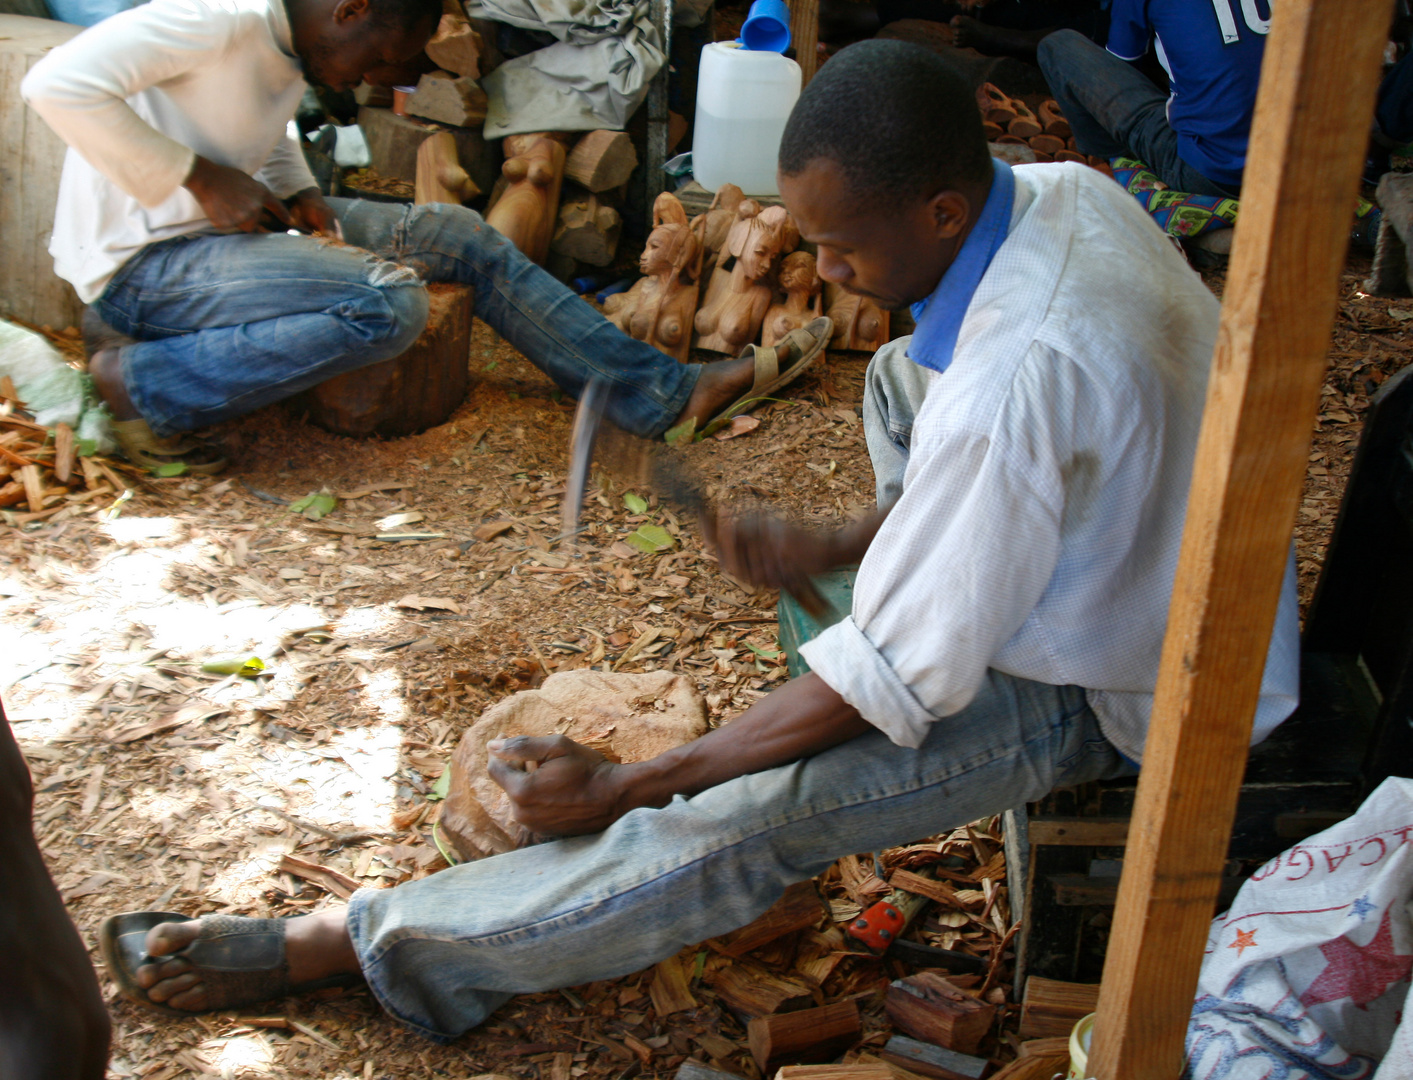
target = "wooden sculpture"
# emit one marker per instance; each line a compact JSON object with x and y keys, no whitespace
{"x":440,"y":177}
{"x":803,"y":299}
{"x":739,"y":296}
{"x":658,"y":308}
{"x":859,"y":324}
{"x":713,"y":226}
{"x":525,"y":215}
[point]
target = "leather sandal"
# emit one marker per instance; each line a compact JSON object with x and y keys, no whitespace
{"x":144,"y":448}
{"x":805,"y":345}
{"x":241,"y":961}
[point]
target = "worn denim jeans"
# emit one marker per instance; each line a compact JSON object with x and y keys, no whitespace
{"x":442,"y":953}
{"x":227,"y":324}
{"x":1116,"y":111}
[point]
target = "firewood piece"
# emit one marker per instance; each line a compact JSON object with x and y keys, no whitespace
{"x":934,"y":1061}
{"x":798,"y":909}
{"x":63,"y":452}
{"x":1024,"y":127}
{"x":457,"y":100}
{"x":809,"y":1035}
{"x":410,"y":392}
{"x":440,"y":177}
{"x":669,"y":991}
{"x":377,"y":97}
{"x":587,"y":230}
{"x":341,"y":885}
{"x":852,"y":1071}
{"x":1053,"y":121}
{"x":1046,"y":144}
{"x":1070,"y":155}
{"x":995,"y":106}
{"x":1052,"y":1008}
{"x":526,"y":213}
{"x":925,"y":886}
{"x":456,"y":47}
{"x":11,"y":493}
{"x":752,"y":990}
{"x":928,"y":1007}
{"x":601,"y":160}
{"x":33,"y":481}
{"x":692,"y":1069}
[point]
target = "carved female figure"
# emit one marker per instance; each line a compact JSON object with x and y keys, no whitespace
{"x":799,"y":281}
{"x":658,"y":308}
{"x":738,"y":298}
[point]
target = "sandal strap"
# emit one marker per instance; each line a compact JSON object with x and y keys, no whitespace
{"x":240,"y":960}
{"x":146,"y":449}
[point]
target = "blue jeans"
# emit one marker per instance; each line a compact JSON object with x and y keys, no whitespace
{"x":1116,"y":111}
{"x":444,"y":952}
{"x":227,"y":324}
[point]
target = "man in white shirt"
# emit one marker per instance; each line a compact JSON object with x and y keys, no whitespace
{"x":176,"y":114}
{"x":1033,"y":445}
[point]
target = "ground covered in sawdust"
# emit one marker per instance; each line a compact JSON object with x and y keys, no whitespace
{"x":152,"y":773}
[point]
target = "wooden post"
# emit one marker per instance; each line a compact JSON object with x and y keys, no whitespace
{"x":655,"y":156}
{"x":804,"y":33}
{"x":1307,"y":144}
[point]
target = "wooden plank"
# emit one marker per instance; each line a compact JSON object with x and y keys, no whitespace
{"x":1052,"y":1008}
{"x":804,"y":35}
{"x":1307,"y":146}
{"x":1079,"y":832}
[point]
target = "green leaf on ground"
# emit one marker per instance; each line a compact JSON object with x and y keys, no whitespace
{"x":314,"y":505}
{"x":246,"y":668}
{"x":86,"y":447}
{"x":441,"y":787}
{"x":636,"y":503}
{"x":651,"y":538}
{"x":169,"y":468}
{"x":683,"y":434}
{"x":762,"y":653}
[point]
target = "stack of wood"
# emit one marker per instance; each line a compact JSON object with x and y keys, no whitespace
{"x":42,"y":474}
{"x":1044,"y":130}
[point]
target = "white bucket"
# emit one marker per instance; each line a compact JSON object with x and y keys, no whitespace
{"x":1079,"y":1048}
{"x":743,"y":101}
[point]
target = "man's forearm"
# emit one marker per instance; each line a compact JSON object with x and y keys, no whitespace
{"x":849,"y":544}
{"x":799,"y":720}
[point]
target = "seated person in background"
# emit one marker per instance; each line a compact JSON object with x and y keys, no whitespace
{"x":1193,"y":139}
{"x":175,"y":113}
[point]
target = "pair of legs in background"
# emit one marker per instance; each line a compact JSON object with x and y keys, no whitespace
{"x":225,"y":324}
{"x":442,"y":953}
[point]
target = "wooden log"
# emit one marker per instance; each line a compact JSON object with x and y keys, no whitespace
{"x":752,"y":990}
{"x":934,"y":1061}
{"x":809,"y":1035}
{"x":804,"y":35}
{"x":601,"y":160}
{"x":587,"y":230}
{"x":457,"y":100}
{"x":928,"y":1007}
{"x":408,"y":393}
{"x":1308,"y":136}
{"x":1053,"y":121}
{"x":1051,"y":1008}
{"x":440,"y":177}
{"x":393,"y":142}
{"x":669,"y":989}
{"x":30,"y":166}
{"x":456,"y":47}
{"x":525,"y":215}
{"x":798,"y":909}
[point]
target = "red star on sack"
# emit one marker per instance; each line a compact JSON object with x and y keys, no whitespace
{"x":1359,"y":972}
{"x":1245,"y":939}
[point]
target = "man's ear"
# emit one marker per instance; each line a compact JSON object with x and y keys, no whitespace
{"x":949,"y":212}
{"x":346,"y":11}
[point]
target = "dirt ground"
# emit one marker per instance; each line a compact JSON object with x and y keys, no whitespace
{"x":151,"y":774}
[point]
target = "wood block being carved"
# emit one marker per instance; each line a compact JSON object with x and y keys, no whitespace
{"x":738,"y":296}
{"x":588,"y":230}
{"x":601,"y":160}
{"x":408,"y":393}
{"x":799,"y":297}
{"x":526,"y":213}
{"x":809,"y":1035}
{"x":659,"y":307}
{"x":440,"y":177}
{"x":456,"y":46}
{"x":625,"y":717}
{"x":928,"y":1007}
{"x":457,"y":100}
{"x":393,"y":142}
{"x":859,"y":323}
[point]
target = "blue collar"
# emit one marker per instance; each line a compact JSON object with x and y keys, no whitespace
{"x":939,"y":317}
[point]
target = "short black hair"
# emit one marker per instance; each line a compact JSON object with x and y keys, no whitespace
{"x":405,"y":16}
{"x":894,"y":117}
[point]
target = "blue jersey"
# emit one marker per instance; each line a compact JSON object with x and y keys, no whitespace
{"x":1211,"y":50}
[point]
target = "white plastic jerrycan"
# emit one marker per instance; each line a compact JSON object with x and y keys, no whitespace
{"x":743,"y":100}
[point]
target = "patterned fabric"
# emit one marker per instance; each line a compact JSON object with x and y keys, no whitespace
{"x":1177,"y":213}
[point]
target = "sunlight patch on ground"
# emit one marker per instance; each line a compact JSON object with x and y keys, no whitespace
{"x":245,"y":880}
{"x":241,"y":1056}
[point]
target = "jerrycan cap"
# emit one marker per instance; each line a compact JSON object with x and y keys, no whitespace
{"x":767,"y":27}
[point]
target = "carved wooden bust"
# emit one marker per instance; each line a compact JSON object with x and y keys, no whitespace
{"x":658,"y":308}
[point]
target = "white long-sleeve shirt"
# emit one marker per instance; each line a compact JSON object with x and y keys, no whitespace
{"x":137,"y":97}
{"x":1047,"y":480}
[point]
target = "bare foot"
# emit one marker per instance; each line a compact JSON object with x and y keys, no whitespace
{"x":970,"y":33}
{"x":316,"y":947}
{"x":721,"y":382}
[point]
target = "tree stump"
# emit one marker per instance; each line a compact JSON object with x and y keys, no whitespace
{"x":408,"y":393}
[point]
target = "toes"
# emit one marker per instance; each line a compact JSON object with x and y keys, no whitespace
{"x":178,"y":990}
{"x":149,"y":975}
{"x":170,"y":937}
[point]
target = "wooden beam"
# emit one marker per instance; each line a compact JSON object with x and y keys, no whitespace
{"x":1307,"y":144}
{"x":804,"y":35}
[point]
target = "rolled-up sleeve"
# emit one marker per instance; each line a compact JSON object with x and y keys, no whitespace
{"x":848,"y":662}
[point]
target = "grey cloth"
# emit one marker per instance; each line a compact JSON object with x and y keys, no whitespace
{"x":593,"y":76}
